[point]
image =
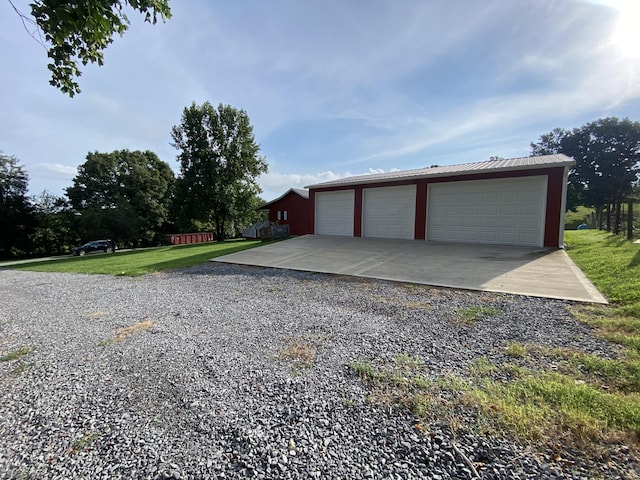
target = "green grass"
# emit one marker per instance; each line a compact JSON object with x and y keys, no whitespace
{"x":612,"y":263}
{"x":141,"y":262}
{"x":573,"y":219}
{"x":516,"y":349}
{"x":16,"y":354}
{"x":552,"y":406}
{"x":84,"y":442}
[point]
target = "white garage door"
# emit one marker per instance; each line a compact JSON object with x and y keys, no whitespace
{"x":507,"y":211}
{"x":334,"y":213}
{"x":389,"y":212}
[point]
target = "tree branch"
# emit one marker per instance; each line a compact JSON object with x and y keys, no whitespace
{"x":30,"y":26}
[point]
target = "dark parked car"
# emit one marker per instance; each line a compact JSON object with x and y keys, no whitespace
{"x":106,"y":246}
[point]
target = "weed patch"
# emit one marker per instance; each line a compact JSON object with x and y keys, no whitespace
{"x":16,"y":354}
{"x":471,"y":315}
{"x":125,"y":332}
{"x":84,"y":442}
{"x":300,"y":352}
{"x":516,"y":349}
{"x":537,"y":407}
{"x":404,"y":384}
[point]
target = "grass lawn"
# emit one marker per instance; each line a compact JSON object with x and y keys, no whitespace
{"x":573,"y":219}
{"x":612,"y":263}
{"x":140,"y":262}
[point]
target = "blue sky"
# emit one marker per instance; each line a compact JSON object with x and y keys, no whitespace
{"x":333,"y":87}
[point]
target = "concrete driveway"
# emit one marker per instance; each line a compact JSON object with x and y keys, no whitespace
{"x":495,"y":268}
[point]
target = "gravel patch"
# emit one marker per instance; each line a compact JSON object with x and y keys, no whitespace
{"x":185,"y":375}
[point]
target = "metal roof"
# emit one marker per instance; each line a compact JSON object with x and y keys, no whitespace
{"x":489,"y":166}
{"x":299,"y":191}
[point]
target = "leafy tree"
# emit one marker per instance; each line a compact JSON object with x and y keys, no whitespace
{"x":122,"y":195}
{"x":55,"y":230}
{"x":16,"y":215}
{"x":219,"y":164}
{"x":74,"y":31}
{"x":607,"y":155}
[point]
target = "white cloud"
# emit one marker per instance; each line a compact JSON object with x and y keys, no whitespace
{"x":275,"y":184}
{"x":57,"y":169}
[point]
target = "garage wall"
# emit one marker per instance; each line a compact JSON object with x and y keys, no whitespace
{"x":389,"y":212}
{"x":552,"y":223}
{"x":501,"y":211}
{"x":334,"y":213}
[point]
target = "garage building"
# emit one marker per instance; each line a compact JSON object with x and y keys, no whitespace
{"x":519,"y":201}
{"x":292,"y":208}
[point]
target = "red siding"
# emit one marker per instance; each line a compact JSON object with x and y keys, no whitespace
{"x":555,"y":177}
{"x":299,"y":213}
{"x":187,"y":238}
{"x":421,"y":210}
{"x":357,"y":212}
{"x":554,"y":208}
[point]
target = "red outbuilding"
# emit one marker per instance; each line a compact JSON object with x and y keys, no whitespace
{"x":293,"y":208}
{"x":518,"y":201}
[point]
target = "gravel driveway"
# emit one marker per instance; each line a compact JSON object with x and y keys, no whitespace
{"x":200,"y":384}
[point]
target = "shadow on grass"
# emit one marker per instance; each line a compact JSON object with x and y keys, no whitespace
{"x":198,"y":258}
{"x":143,"y":261}
{"x":635,"y":261}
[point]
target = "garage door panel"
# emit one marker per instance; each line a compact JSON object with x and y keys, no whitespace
{"x":486,"y":210}
{"x":389,"y":212}
{"x":510,"y":210}
{"x":489,"y":197}
{"x":510,"y":223}
{"x":501,"y":211}
{"x":511,"y":197}
{"x":334,"y":213}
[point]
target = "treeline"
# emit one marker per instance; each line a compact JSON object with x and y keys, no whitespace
{"x":134,"y":198}
{"x":606,"y":174}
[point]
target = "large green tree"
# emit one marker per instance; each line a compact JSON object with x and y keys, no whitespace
{"x":219,"y":164}
{"x":16,"y":214}
{"x":607,"y":155}
{"x":78,"y":31}
{"x":123,"y":195}
{"x":55,"y":230}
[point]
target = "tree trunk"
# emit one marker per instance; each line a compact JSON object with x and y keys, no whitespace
{"x":630,"y":220}
{"x":616,"y":219}
{"x":599,"y":218}
{"x":608,"y":217}
{"x":219,"y":221}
